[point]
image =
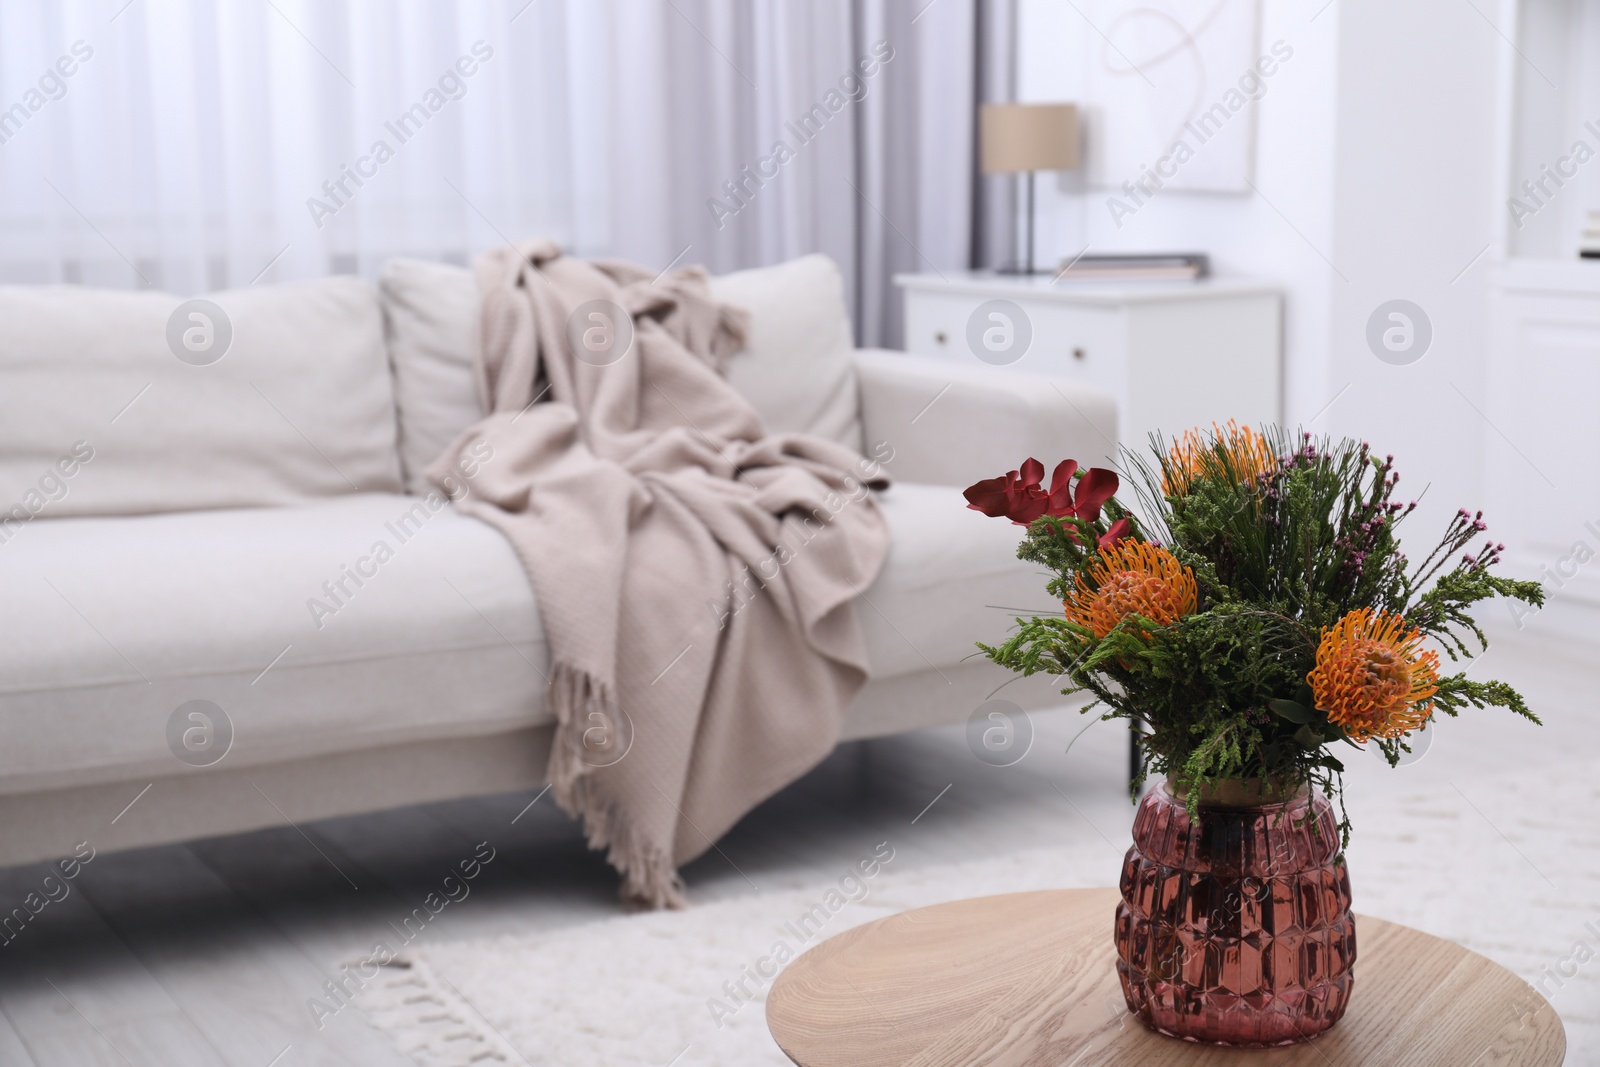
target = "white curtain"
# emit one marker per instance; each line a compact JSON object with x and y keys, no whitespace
{"x":201,"y":144}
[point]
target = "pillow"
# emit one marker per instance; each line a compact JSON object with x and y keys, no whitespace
{"x":430,"y":321}
{"x":797,"y":366}
{"x":796,"y":369}
{"x":120,"y":403}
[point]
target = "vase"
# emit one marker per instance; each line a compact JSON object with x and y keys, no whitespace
{"x":1235,"y":928}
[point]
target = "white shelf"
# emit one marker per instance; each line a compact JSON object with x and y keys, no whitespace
{"x":1543,"y":360}
{"x":1550,"y":276}
{"x":1552,"y":74}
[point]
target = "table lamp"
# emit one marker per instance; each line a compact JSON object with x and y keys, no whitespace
{"x":1027,"y":137}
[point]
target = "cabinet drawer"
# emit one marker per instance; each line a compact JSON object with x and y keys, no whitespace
{"x":936,"y":324}
{"x":1079,"y":343}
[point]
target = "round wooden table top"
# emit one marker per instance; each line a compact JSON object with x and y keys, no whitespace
{"x":1029,"y":980}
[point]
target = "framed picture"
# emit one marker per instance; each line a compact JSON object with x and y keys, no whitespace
{"x":1170,"y":90}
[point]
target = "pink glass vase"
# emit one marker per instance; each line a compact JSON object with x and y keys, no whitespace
{"x":1235,"y":929}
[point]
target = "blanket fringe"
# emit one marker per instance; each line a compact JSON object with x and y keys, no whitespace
{"x":649,"y":877}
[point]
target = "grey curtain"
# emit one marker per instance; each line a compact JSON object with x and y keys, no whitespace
{"x":995,"y":202}
{"x":838,"y":126}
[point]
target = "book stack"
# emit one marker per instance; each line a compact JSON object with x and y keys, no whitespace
{"x":1589,"y":240}
{"x":1140,"y":266}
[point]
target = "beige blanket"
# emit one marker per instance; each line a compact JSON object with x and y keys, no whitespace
{"x":695,"y":577}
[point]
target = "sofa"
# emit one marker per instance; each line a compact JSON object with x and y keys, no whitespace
{"x":182,"y":482}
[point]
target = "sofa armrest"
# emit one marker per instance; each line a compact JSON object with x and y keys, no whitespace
{"x":949,"y":423}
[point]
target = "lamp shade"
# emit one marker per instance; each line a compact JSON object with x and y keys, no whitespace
{"x":1025,"y":137}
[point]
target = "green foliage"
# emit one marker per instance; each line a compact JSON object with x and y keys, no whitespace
{"x":1283,"y":541}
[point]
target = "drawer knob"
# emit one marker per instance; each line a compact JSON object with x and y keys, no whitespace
{"x":941,"y":337}
{"x":1077,"y":353}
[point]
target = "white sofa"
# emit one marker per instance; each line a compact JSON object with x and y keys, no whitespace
{"x":165,"y":523}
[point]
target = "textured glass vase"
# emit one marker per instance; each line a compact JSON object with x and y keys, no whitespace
{"x":1236,"y":929}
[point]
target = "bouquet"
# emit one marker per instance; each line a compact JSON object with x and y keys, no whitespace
{"x":1251,"y":608}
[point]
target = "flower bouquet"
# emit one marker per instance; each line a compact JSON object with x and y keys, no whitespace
{"x":1252,"y":612}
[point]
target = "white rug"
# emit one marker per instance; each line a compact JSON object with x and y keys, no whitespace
{"x":1509,"y":868}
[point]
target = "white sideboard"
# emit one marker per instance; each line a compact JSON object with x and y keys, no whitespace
{"x":1542,"y":485}
{"x":1540,"y":430}
{"x":1174,"y":354}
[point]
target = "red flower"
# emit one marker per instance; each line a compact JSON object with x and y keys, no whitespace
{"x":1118,"y":531}
{"x":1095,"y":487}
{"x":1020,"y":496}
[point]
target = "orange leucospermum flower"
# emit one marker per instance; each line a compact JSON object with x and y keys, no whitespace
{"x":1372,"y":676}
{"x":1131,"y":578}
{"x":1194,"y":455}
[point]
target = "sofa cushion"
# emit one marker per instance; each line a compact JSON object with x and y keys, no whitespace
{"x":796,"y":369}
{"x":110,"y":624}
{"x":103,"y":416}
{"x":797,"y":366}
{"x":430,"y":321}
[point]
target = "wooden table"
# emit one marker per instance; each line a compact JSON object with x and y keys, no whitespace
{"x":1029,"y":980}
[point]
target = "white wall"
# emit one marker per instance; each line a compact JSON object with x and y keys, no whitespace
{"x":1373,"y":168}
{"x":1415,"y":199}
{"x":1243,"y":233}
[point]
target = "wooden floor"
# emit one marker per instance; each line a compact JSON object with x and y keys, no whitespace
{"x":208,"y":953}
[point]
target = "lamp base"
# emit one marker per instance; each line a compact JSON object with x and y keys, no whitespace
{"x":1026,"y":267}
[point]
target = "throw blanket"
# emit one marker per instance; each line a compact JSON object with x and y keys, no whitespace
{"x":696,"y":578}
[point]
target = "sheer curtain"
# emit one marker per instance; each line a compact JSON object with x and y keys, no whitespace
{"x":198,"y":144}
